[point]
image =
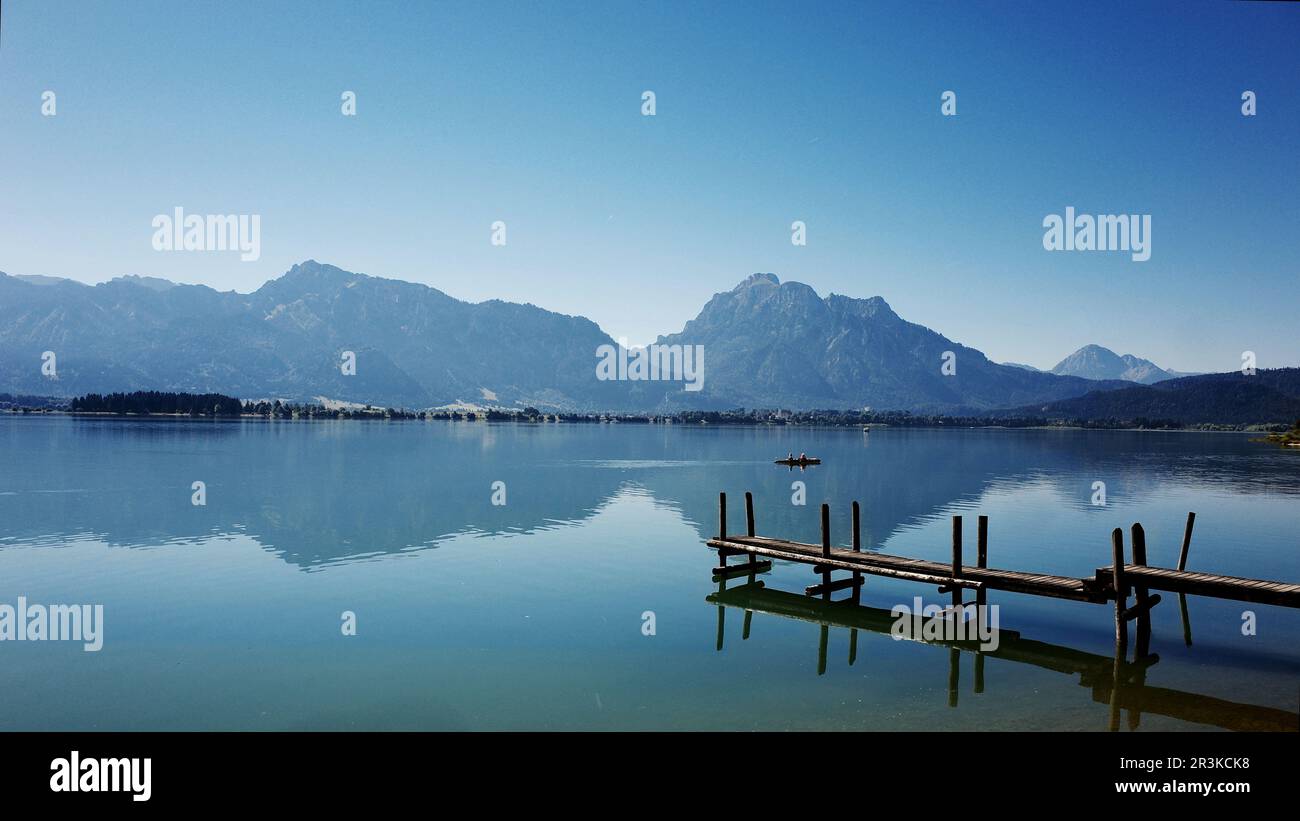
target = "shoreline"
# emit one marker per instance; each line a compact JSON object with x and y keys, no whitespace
{"x":631,"y":419}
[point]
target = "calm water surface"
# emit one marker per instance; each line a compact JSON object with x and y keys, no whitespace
{"x":529,"y":615}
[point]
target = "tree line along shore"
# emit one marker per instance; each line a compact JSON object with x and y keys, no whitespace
{"x":215,"y":406}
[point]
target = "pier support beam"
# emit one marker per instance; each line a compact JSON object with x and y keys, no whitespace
{"x":1121,"y":592}
{"x":1143,"y":604}
{"x":1187,"y":540}
{"x":857,"y":548}
{"x":826,"y":550}
{"x":1182,"y":565}
{"x":982,"y":558}
{"x":956,"y":559}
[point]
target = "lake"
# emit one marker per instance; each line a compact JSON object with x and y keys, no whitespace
{"x":533,"y":614}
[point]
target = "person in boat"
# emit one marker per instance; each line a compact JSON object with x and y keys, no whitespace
{"x":790,"y":457}
{"x":803,"y":457}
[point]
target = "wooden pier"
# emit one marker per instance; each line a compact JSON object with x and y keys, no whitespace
{"x":1111,"y":680}
{"x":1112,"y":583}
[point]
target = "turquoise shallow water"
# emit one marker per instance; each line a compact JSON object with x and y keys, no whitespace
{"x":529,"y":615}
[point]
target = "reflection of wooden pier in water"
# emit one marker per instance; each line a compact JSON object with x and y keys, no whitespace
{"x":1113,"y":681}
{"x":1112,"y":583}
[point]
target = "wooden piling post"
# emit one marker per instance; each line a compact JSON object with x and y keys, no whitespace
{"x":956,"y":560}
{"x":857,"y":577}
{"x":1140,"y":592}
{"x":1121,"y":592}
{"x":722,"y":517}
{"x":749,"y":524}
{"x":826,"y":550}
{"x":722,"y":534}
{"x":1187,"y":540}
{"x":981,"y":560}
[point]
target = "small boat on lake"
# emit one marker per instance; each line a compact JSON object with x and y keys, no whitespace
{"x":800,"y":461}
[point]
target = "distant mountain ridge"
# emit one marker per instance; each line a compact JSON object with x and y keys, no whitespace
{"x":1096,"y":362}
{"x":415,"y":346}
{"x":1264,"y":397}
{"x":767,"y":344}
{"x":771,"y":343}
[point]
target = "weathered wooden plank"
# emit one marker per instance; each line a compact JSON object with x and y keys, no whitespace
{"x":1235,"y":588}
{"x":835,"y":563}
{"x":1008,"y":580}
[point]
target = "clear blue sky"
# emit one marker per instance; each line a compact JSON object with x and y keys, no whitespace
{"x":767,"y":113}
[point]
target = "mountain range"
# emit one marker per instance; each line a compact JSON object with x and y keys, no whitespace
{"x":769,"y":340}
{"x":1096,"y":362}
{"x":414,"y":346}
{"x":766,"y":343}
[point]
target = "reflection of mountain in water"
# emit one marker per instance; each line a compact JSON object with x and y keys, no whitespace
{"x":325,"y":491}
